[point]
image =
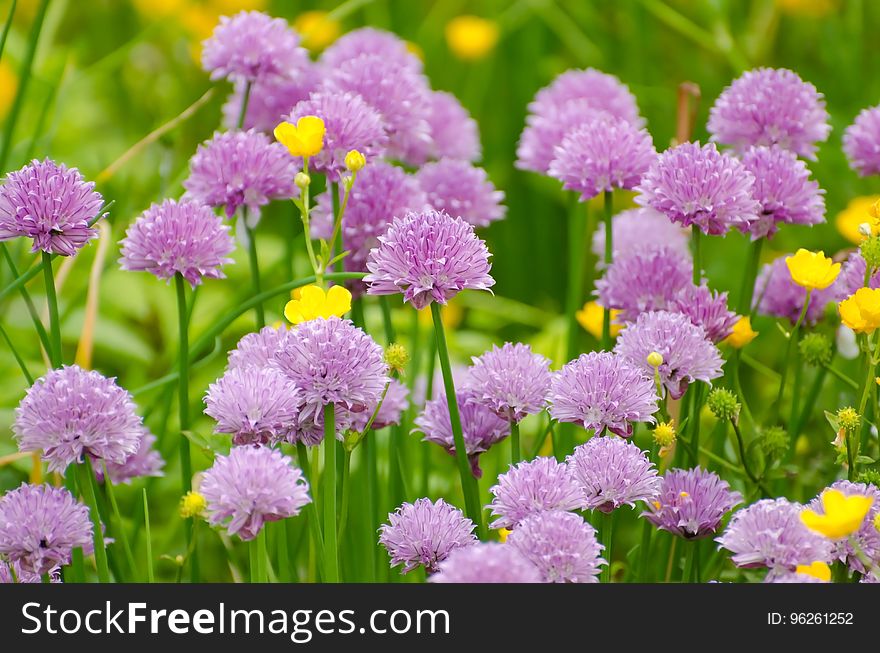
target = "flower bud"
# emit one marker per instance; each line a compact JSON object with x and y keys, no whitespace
{"x":655,"y":359}
{"x":723,"y":404}
{"x":302,"y":180}
{"x":355,"y":161}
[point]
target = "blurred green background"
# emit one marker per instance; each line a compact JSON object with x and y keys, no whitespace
{"x":108,"y":72}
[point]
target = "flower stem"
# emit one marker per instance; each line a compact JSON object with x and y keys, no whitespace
{"x":149,"y":538}
{"x":328,"y":498}
{"x":863,"y":403}
{"x":54,"y":322}
{"x":745,"y":461}
{"x":698,"y":255}
{"x":514,"y":442}
{"x":183,"y":409}
{"x":608,"y":537}
{"x":346,"y":495}
{"x":255,"y":268}
{"x":750,"y":273}
{"x":123,"y":536}
{"x":645,"y":551}
{"x":468,"y":482}
{"x":87,"y":484}
{"x":609,"y":256}
{"x":302,"y":456}
{"x":245,"y":98}
{"x":258,"y":557}
{"x":792,"y":336}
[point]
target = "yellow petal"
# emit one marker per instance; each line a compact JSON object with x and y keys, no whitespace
{"x":818,"y":569}
{"x":293,"y":312}
{"x":338,"y":301}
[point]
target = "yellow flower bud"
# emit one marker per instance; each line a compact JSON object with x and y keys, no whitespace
{"x":355,"y":161}
{"x":305,"y":138}
{"x":655,"y":359}
{"x":742,"y":333}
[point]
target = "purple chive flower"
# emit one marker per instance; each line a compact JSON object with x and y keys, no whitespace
{"x":486,"y":562}
{"x":252,"y":486}
{"x":867,"y":537}
{"x":637,"y":229}
{"x":600,"y":390}
{"x":462,"y":190}
{"x":145,"y":461}
{"x":178,"y":238}
{"x":12,"y":572}
{"x":350,"y":124}
{"x":332,"y":362}
{"x":425,"y":533}
{"x":777,"y":295}
{"x":397,"y":91}
{"x":861,"y":142}
{"x":769,"y":533}
{"x":238,"y":168}
{"x":768,"y":106}
{"x":870,"y":578}
{"x":601,"y":155}
{"x":454,"y":133}
{"x":481,"y":427}
{"x":381,"y":193}
{"x":613,"y":472}
{"x":251,"y":46}
{"x":71,"y":412}
{"x":791,"y":577}
{"x":561,"y":545}
{"x":428,"y":256}
{"x":51,"y":204}
{"x":706,"y":309}
{"x":532,"y":487}
{"x":700,"y":186}
{"x":511,"y":381}
{"x":390,"y":411}
{"x":41,"y":525}
{"x":647,"y":279}
{"x":368,"y":40}
{"x":257,"y":349}
{"x":784,"y":190}
{"x":850,"y":279}
{"x":688,"y":355}
{"x":691,"y":503}
{"x":602,"y":92}
{"x":254,"y":405}
{"x":271,"y":98}
{"x":544,"y":132}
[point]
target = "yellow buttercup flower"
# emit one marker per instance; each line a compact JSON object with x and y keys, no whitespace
{"x":842,"y":515}
{"x":857,"y":213}
{"x":355,"y":161}
{"x":305,"y":138}
{"x":314,"y":303}
{"x":590,"y":317}
{"x":812,"y":270}
{"x":471,"y":37}
{"x":861,"y":311}
{"x":192,"y":504}
{"x":742,"y":333}
{"x":317,"y":28}
{"x":502,"y":535}
{"x":8,"y":87}
{"x":818,"y":569}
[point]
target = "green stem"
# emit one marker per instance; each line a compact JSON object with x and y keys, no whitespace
{"x":609,"y":255}
{"x":7,"y":26}
{"x":608,"y":541}
{"x":255,"y":268}
{"x":750,"y":273}
{"x":86,"y":477}
{"x":696,"y":392}
{"x":863,"y":403}
{"x":282,"y":552}
{"x":28,"y":302}
{"x":24,"y":78}
{"x":149,"y":538}
{"x":54,"y":321}
{"x":373,"y":517}
{"x":328,"y":498}
{"x":514,"y":442}
{"x":576,"y":237}
{"x":840,"y":376}
{"x":792,"y":336}
{"x":346,"y":496}
{"x":245,"y":98}
{"x":645,"y":551}
{"x":812,"y":396}
{"x":390,"y":335}
{"x":258,"y":557}
{"x":744,"y":459}
{"x":698,"y":255}
{"x":123,"y":536}
{"x":302,"y":456}
{"x":468,"y":482}
{"x":183,"y":410}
